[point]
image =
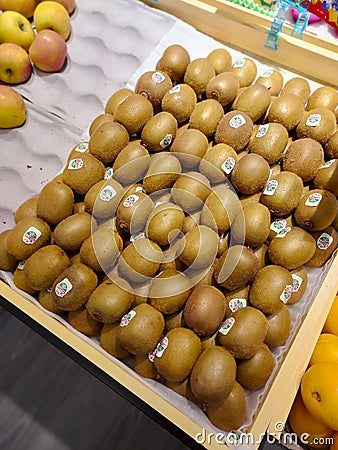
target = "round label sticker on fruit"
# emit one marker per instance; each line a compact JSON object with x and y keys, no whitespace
{"x":278,"y":225}
{"x":108,"y":173}
{"x":21,"y":265}
{"x":140,"y":189}
{"x":270,"y":187}
{"x":282,"y":233}
{"x":228,"y":165}
{"x":313,"y":120}
{"x":237,"y":303}
{"x":237,"y":121}
{"x":314,"y":199}
{"x":130,"y":200}
{"x":166,"y":140}
{"x":175,"y":89}
{"x":157,"y":77}
{"x":161,"y":346}
{"x":127,"y":318}
{"x":267,"y":74}
{"x":62,"y":288}
{"x":238,"y":63}
{"x":227,"y":325}
{"x":286,"y":294}
{"x":107,"y":193}
{"x":297,"y":282}
{"x":324,"y":241}
{"x":82,"y":147}
{"x":135,"y":236}
{"x":31,"y":235}
{"x":327,"y":164}
{"x":262,"y":130}
{"x":75,"y":164}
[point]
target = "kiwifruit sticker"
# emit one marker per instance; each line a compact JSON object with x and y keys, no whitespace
{"x":286,"y":294}
{"x":237,"y":121}
{"x":297,"y":282}
{"x":262,"y":130}
{"x":324,"y":241}
{"x":131,"y":200}
{"x":108,"y":173}
{"x":31,"y":235}
{"x":278,"y":225}
{"x":227,"y":325}
{"x":313,"y":120}
{"x":327,"y":164}
{"x":21,"y":265}
{"x":267,"y":74}
{"x":167,"y":140}
{"x":135,"y":236}
{"x":157,"y":77}
{"x":75,"y":164}
{"x":238,"y":63}
{"x":140,"y":189}
{"x":314,"y":199}
{"x":107,"y":193}
{"x":62,"y":288}
{"x":82,"y":147}
{"x":127,"y":318}
{"x":270,"y":187}
{"x":175,"y":89}
{"x":282,"y":233}
{"x":237,"y":303}
{"x":228,"y":165}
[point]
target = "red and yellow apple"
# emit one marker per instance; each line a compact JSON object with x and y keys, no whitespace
{"x":48,"y":51}
{"x":68,"y":4}
{"x":12,"y":108}
{"x":51,"y":15}
{"x":15,"y":65}
{"x":24,"y":7}
{"x":15,"y":28}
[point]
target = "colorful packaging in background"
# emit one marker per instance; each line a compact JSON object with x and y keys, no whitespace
{"x":326,"y":10}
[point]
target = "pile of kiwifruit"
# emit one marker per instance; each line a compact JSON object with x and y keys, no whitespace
{"x":178,"y":233}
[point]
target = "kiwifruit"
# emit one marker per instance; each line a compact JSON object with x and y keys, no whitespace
{"x":72,"y":288}
{"x":243,"y":332}
{"x":273,"y":80}
{"x":141,"y":329}
{"x":115,"y":99}
{"x":236,"y":267}
{"x":164,"y":223}
{"x":275,"y":169}
{"x":140,"y":260}
{"x":327,"y":241}
{"x":76,"y":258}
{"x":254,"y":225}
{"x":204,"y":310}
{"x":300,"y":279}
{"x":159,"y":132}
{"x":83,"y":172}
{"x":70,"y":233}
{"x":189,"y":147}
{"x":223,"y":88}
{"x":323,"y":97}
{"x":206,"y":116}
{"x":250,"y":174}
{"x":254,"y":373}
{"x":164,"y":169}
{"x":107,"y":141}
{"x":261,"y":254}
{"x":82,"y":321}
{"x":331,"y":146}
{"x":144,"y":367}
{"x":19,"y":279}
{"x":181,"y":349}
{"x":253,"y":100}
{"x":220,"y":59}
{"x":99,"y":120}
{"x":174,"y":321}
{"x":335,"y":222}
{"x":318,"y":124}
{"x":134,"y":112}
{"x":279,"y":326}
{"x":198,"y":74}
{"x":101,"y":249}
{"x":190,"y":191}
{"x":304,"y":157}
{"x":269,"y":140}
{"x":220,"y":209}
{"x":234,"y":129}
{"x":218,"y":162}
{"x":8,"y":262}
{"x":251,"y":198}
{"x":246,"y":70}
{"x":287,"y":109}
{"x":76,"y":152}
{"x":44,"y":265}
{"x":271,"y":287}
{"x":109,"y":341}
{"x":279,"y":224}
{"x":317,"y":210}
{"x":282,"y":194}
{"x":169,"y":291}
{"x":153,"y":85}
{"x":228,"y":413}
{"x":183,"y":389}
{"x":131,"y":163}
{"x":327,"y":177}
{"x":174,"y":61}
{"x":103,"y":198}
{"x":200,"y":247}
{"x":46,"y":301}
{"x":299,"y":87}
{"x":204,"y":277}
{"x":133,"y":211}
{"x":234,"y":300}
{"x":79,"y":207}
{"x":27,"y":209}
{"x":292,"y":248}
{"x":180,"y":102}
{"x":27,"y":236}
{"x":190,"y":221}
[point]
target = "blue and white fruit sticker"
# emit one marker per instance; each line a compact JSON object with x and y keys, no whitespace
{"x":107,"y":193}
{"x":127,"y":318}
{"x":108,"y":173}
{"x":286,"y":294}
{"x":62,"y":288}
{"x":262,"y":130}
{"x":75,"y":164}
{"x":237,"y":121}
{"x":227,"y":325}
{"x":270,"y":187}
{"x":157,"y":77}
{"x":327,"y":164}
{"x":313,"y":120}
{"x":31,"y":235}
{"x":176,"y":88}
{"x":314,"y":199}
{"x":324,"y":241}
{"x":267,"y":74}
{"x":238,"y":63}
{"x":228,"y":165}
{"x":237,"y":303}
{"x":297,"y":282}
{"x":131,"y":200}
{"x":21,"y":265}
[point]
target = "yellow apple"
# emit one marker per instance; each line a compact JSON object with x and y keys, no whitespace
{"x":68,"y":4}
{"x":15,"y":65}
{"x":50,"y":15}
{"x":24,"y":7}
{"x":15,"y":28}
{"x":12,"y":108}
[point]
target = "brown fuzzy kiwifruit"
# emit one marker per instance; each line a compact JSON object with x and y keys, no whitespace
{"x":223,"y":88}
{"x":190,"y":191}
{"x":70,"y":233}
{"x":304,"y":157}
{"x":46,"y":301}
{"x":134,"y":112}
{"x":76,"y":152}
{"x":206,"y":116}
{"x":133,"y":211}
{"x":98,"y":121}
{"x":83,"y":172}
{"x":316,"y":210}
{"x":159,"y":132}
{"x":253,"y":100}
{"x":180,"y":102}
{"x":246,"y":70}
{"x":20,"y":281}
{"x":254,"y":225}
{"x":144,"y":367}
{"x":189,"y":147}
{"x":164,"y":223}
{"x":326,"y":244}
{"x":174,"y":61}
{"x":55,"y":202}
{"x":27,"y":209}
{"x":279,"y":327}
{"x":234,"y":129}
{"x":250,"y":174}
{"x":221,"y":60}
{"x":103,"y":198}
{"x":318,"y":124}
{"x":8,"y":262}
{"x":109,"y":341}
{"x":183,"y":389}
{"x":254,"y":373}
{"x":218,"y":162}
{"x":107,"y":141}
{"x":198,"y":74}
{"x":115,"y":99}
{"x":300,"y":279}
{"x":323,"y":97}
{"x":83,"y":322}
{"x":164,"y":170}
{"x":327,"y":177}
{"x":131,"y":163}
{"x":261,"y":253}
{"x":299,"y":87}
{"x":200,"y":247}
{"x":331,"y":146}
{"x":287,"y":109}
{"x":153,"y":85}
{"x":269,"y":140}
{"x":272,"y":80}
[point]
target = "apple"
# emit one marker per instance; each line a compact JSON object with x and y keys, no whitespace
{"x":24,"y":7}
{"x":15,"y":28}
{"x":15,"y":65}
{"x":12,"y":108}
{"x":48,"y":51}
{"x":50,"y":15}
{"x":68,"y":4}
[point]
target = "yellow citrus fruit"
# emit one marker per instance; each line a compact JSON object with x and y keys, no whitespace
{"x":319,"y":388}
{"x":326,"y":349}
{"x":309,"y":430}
{"x":334,"y":446}
{"x":331,"y":323}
